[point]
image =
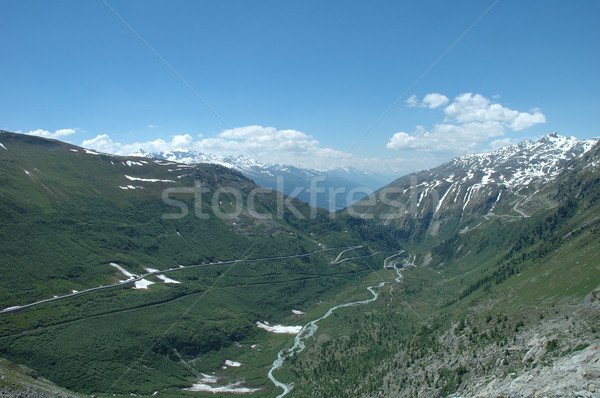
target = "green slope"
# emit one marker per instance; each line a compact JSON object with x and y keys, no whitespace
{"x":470,"y":312}
{"x":65,"y":218}
{"x":475,"y":307}
{"x":20,"y":381}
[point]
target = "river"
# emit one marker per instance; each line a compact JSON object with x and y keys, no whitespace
{"x":310,"y":328}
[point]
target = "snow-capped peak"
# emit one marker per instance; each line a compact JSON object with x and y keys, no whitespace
{"x":522,"y":163}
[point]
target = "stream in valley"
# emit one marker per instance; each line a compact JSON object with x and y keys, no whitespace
{"x":310,"y":328}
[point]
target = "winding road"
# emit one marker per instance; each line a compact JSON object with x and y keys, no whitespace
{"x":14,"y":309}
{"x":305,"y":333}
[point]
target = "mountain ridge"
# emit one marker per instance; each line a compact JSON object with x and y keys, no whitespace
{"x":456,"y":194}
{"x":291,"y":180}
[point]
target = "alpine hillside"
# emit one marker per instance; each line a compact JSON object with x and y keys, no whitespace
{"x":456,"y":194}
{"x":509,"y":307}
{"x":127,"y":275}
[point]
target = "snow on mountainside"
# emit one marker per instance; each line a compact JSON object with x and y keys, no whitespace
{"x":521,"y":164}
{"x":187,"y":156}
{"x":295,"y":181}
{"x":456,"y":194}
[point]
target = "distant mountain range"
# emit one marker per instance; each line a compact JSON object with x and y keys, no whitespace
{"x":328,"y":189}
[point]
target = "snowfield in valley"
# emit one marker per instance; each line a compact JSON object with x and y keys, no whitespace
{"x":279,"y":328}
{"x":166,"y":279}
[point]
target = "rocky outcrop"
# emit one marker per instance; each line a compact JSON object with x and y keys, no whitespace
{"x":575,"y":375}
{"x":557,"y":355}
{"x":17,"y":381}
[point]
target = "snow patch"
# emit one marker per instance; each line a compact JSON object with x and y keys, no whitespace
{"x":130,"y":187}
{"x":90,"y":152}
{"x":132,"y":163}
{"x":467,"y":197}
{"x":422,"y":196}
{"x":496,"y":202}
{"x":279,"y":328}
{"x":486,"y":179}
{"x":74,"y":150}
{"x":151,"y":269}
{"x":297,"y":312}
{"x":166,"y":279}
{"x":2,"y":145}
{"x":437,"y":208}
{"x":26,"y":172}
{"x":146,"y":179}
{"x":128,"y":274}
{"x":233,"y":364}
{"x":143,"y":284}
{"x":233,"y":388}
{"x":208,"y":378}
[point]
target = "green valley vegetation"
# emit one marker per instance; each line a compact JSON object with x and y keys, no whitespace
{"x":496,"y":290}
{"x":502,"y":306}
{"x":67,"y":215}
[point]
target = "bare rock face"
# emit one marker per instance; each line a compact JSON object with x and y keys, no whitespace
{"x":17,"y":381}
{"x":537,"y":348}
{"x":593,"y":299}
{"x":554,"y":356}
{"x":575,"y":375}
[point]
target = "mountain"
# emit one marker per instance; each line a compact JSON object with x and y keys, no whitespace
{"x":456,"y":194}
{"x":509,"y":307}
{"x":328,"y":189}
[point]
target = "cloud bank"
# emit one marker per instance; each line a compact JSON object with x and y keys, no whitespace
{"x":56,"y":134}
{"x":264,"y":144}
{"x":469,"y":121}
{"x":431,"y":101}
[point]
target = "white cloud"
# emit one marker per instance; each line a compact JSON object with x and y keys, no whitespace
{"x":104,"y":143}
{"x":265,"y":144}
{"x":470,"y":107}
{"x":101,"y":143}
{"x":258,"y":138}
{"x":182,"y":141}
{"x":525,"y":120}
{"x":470,"y":121}
{"x":402,"y":140}
{"x":446,"y":137}
{"x":412,"y":101}
{"x":270,"y":145}
{"x":435,"y":100}
{"x":431,"y":101}
{"x":56,"y":134}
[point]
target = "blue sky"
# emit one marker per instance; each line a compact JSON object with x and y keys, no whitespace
{"x":302,"y":82}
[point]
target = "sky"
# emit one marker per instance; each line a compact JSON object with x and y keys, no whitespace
{"x":388,"y":86}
